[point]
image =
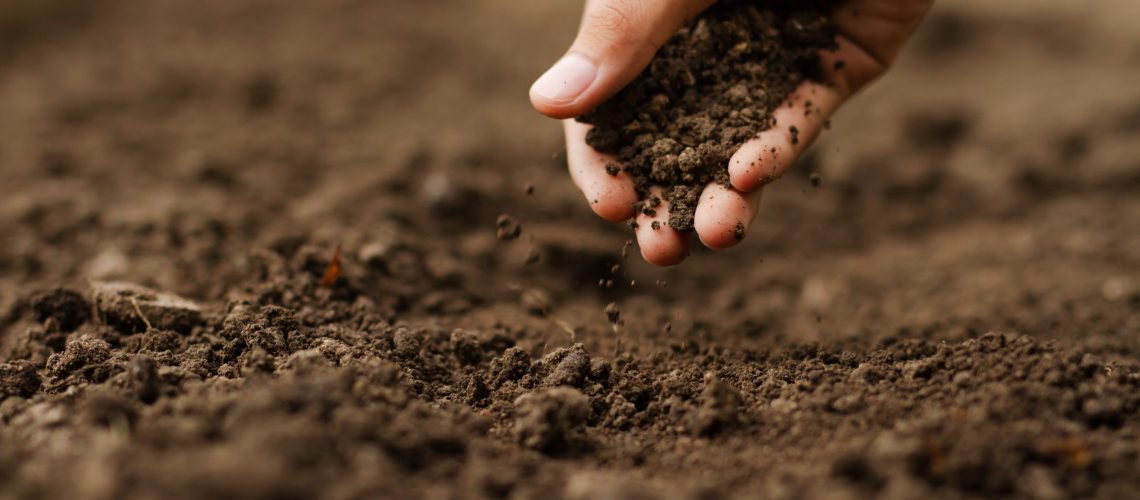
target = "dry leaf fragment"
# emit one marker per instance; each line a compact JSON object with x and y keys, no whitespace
{"x":333,"y":272}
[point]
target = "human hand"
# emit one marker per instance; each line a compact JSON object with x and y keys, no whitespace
{"x":615,"y":42}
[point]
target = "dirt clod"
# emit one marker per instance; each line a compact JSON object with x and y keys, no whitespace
{"x":511,"y":365}
{"x":132,"y":308}
{"x":67,"y":307}
{"x":550,"y":420}
{"x":720,"y":408}
{"x":571,"y":366}
{"x":79,"y":353}
{"x":19,"y":379}
{"x":407,"y":343}
{"x":466,"y":347}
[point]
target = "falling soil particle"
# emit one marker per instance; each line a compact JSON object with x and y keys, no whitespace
{"x":613,"y":314}
{"x":507,"y":228}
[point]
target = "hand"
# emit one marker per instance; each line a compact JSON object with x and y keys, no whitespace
{"x":618,"y":38}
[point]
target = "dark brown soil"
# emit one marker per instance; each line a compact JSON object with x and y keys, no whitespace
{"x":953,"y":313}
{"x":711,"y":87}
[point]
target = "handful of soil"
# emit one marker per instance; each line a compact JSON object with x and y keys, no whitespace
{"x":712,"y":87}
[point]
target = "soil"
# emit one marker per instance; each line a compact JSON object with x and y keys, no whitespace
{"x":712,"y":87}
{"x":954,"y":313}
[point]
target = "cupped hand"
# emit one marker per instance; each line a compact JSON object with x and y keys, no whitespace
{"x":618,"y":38}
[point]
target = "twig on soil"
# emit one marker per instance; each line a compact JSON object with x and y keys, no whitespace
{"x":142,"y":316}
{"x":566,"y":328}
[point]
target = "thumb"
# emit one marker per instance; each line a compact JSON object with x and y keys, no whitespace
{"x":616,"y":41}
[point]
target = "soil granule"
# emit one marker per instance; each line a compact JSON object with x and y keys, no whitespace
{"x":710,"y":88}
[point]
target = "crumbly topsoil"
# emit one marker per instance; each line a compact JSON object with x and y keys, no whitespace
{"x":953,"y":313}
{"x":292,"y":384}
{"x":710,"y":88}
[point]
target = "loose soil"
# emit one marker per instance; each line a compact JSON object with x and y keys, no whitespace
{"x":941,"y":301}
{"x":711,"y":88}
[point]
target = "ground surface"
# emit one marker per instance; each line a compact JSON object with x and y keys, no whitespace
{"x":954,"y":311}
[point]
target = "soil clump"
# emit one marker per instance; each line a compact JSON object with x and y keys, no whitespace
{"x":710,"y":88}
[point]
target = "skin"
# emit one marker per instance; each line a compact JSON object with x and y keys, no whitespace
{"x":615,"y":42}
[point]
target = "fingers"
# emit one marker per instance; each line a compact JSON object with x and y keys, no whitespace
{"x":871,"y":34}
{"x":878,"y":29}
{"x":660,"y":244}
{"x":610,"y":196}
{"x":724,"y":215}
{"x":798,"y":121}
{"x":722,"y":219}
{"x":615,"y":42}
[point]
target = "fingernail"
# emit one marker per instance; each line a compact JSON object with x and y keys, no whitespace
{"x":567,"y":79}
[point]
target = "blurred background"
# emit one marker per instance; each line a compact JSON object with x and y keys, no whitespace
{"x":162,"y":141}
